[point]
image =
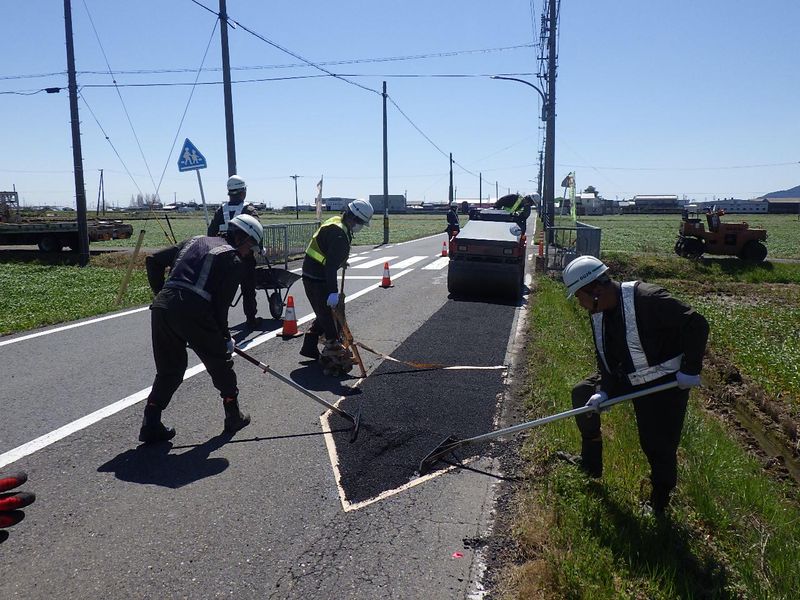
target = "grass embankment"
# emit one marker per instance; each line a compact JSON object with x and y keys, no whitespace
{"x":732,"y":530}
{"x":41,"y":293}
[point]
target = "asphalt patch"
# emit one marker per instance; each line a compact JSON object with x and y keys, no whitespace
{"x":406,"y":413}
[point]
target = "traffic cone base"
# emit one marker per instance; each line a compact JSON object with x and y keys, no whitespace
{"x":289,"y":319}
{"x":386,"y":282}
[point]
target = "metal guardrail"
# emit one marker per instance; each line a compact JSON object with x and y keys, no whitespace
{"x":285,"y":240}
{"x":567,"y":243}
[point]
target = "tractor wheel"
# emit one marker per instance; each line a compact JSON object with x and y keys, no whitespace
{"x":693,"y":247}
{"x":679,"y":247}
{"x":50,"y":243}
{"x":753,"y":251}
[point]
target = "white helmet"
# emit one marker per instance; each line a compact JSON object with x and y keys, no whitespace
{"x":250,"y":225}
{"x":361,"y":210}
{"x":582,"y":271}
{"x":236,"y":184}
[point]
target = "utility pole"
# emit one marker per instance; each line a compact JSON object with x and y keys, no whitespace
{"x":385,"y":172}
{"x":101,"y":191}
{"x":480,"y":189}
{"x":496,"y":192}
{"x":539,"y":182}
{"x":450,"y":192}
{"x":77,"y":155}
{"x":296,"y":203}
{"x":550,"y":126}
{"x":226,"y":86}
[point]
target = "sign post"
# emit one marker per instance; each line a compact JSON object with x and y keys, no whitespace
{"x":191,"y":159}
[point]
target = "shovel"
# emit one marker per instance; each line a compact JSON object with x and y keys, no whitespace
{"x":452,"y":442}
{"x":355,"y":420}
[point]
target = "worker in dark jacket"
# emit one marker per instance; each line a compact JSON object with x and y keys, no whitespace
{"x":327,"y":252}
{"x":643,"y":337}
{"x":453,"y":226}
{"x":237,"y":192}
{"x":191,"y":309}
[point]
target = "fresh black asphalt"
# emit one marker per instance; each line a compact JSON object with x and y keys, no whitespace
{"x":407,"y":412}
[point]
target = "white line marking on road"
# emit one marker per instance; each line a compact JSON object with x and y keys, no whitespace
{"x":403,"y":264}
{"x":375,"y":262}
{"x":47,"y":439}
{"x":438,"y":264}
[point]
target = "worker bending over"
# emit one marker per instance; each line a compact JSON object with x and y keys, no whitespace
{"x":191,"y":309}
{"x":235,"y":206}
{"x":328,"y":251}
{"x":643,"y":337}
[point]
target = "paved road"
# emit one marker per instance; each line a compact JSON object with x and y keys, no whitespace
{"x":280,"y":510}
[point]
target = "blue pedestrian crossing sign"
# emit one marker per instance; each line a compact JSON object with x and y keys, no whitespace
{"x":190,"y":158}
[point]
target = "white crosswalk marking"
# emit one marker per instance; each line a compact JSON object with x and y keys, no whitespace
{"x":374,"y":263}
{"x":404,"y":264}
{"x":437,"y":265}
{"x":355,"y":259}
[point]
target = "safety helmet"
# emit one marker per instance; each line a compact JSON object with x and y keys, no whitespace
{"x":361,"y":210}
{"x":582,"y":271}
{"x":250,"y":225}
{"x":236,"y":184}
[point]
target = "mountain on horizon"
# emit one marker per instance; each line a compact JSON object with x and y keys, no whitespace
{"x":790,"y":193}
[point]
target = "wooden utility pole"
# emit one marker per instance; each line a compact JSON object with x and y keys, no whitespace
{"x":385,"y":172}
{"x":77,"y":155}
{"x":450,"y":193}
{"x":296,"y":203}
{"x":226,"y":86}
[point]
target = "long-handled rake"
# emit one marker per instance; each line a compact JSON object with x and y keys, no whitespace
{"x":355,"y":420}
{"x":452,"y":442}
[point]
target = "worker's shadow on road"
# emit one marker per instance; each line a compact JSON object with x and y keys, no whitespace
{"x":311,"y":377}
{"x":154,"y":463}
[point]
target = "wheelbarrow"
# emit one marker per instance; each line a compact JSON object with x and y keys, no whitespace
{"x":276,"y":283}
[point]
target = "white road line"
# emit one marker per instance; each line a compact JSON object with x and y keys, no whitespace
{"x":47,"y":439}
{"x":22,"y":338}
{"x":375,"y":262}
{"x":355,"y":259}
{"x":404,"y":264}
{"x":438,"y":264}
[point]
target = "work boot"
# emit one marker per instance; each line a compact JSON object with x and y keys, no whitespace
{"x":255,"y":322}
{"x":659,"y":500}
{"x":310,"y":343}
{"x":235,"y":419}
{"x":590,"y":461}
{"x":153,"y":430}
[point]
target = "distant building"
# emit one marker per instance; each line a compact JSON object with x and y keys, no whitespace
{"x":783,"y":206}
{"x":397,"y":202}
{"x":732,"y":205}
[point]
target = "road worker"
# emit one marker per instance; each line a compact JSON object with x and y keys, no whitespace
{"x":12,"y":502}
{"x":328,"y":251}
{"x":453,"y":226}
{"x":191,"y":309}
{"x":237,"y":192}
{"x":643,"y":337}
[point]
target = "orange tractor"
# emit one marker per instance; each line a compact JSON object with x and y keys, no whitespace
{"x":725,"y":239}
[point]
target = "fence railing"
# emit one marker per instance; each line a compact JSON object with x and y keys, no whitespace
{"x":567,"y":243}
{"x":286,"y":240}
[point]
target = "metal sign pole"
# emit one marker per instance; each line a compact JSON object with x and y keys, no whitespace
{"x":202,"y":195}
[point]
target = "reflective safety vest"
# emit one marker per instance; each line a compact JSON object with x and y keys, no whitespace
{"x":643,"y":371}
{"x":193,"y":264}
{"x":313,"y":250}
{"x":229,"y":211}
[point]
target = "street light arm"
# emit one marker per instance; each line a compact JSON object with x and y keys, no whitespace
{"x":528,"y":83}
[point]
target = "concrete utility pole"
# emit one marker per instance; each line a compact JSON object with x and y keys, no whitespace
{"x":77,"y":155}
{"x":296,"y":203}
{"x":450,"y":192}
{"x":550,"y":126}
{"x":480,"y":189}
{"x":226,"y":86}
{"x":385,"y":172}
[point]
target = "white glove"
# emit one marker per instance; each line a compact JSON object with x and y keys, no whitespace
{"x":686,"y":381}
{"x":229,"y":346}
{"x":333,"y":299}
{"x":596,"y":399}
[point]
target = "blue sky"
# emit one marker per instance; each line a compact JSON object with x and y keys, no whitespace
{"x":682,"y":97}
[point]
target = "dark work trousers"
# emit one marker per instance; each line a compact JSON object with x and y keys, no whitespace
{"x":659,"y":419}
{"x":317,"y":294}
{"x":172,"y":330}
{"x":249,"y":303}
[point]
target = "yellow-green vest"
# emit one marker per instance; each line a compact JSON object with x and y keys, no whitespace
{"x":313,"y":249}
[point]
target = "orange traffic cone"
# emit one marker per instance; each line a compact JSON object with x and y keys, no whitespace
{"x":289,"y":319}
{"x":386,"y":282}
{"x":444,"y":248}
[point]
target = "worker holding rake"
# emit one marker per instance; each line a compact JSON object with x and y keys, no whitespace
{"x":643,"y":337}
{"x":327,"y":252}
